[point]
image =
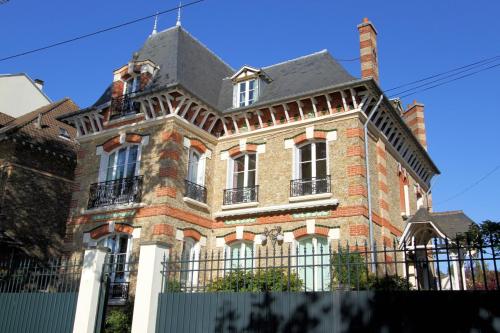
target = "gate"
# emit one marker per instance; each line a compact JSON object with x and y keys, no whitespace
{"x":38,"y":297}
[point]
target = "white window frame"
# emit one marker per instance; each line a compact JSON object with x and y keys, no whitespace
{"x":103,"y":167}
{"x":296,"y":170}
{"x":406,"y":189}
{"x":105,"y":241}
{"x":135,"y":82}
{"x":242,"y":257}
{"x":316,"y":260}
{"x":230,"y":175}
{"x":238,"y":92}
{"x":200,"y":172}
{"x":193,"y":262}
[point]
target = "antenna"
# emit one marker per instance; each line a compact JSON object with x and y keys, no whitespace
{"x":178,"y":23}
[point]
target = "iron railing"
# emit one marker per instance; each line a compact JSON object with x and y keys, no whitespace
{"x":118,"y":271}
{"x":308,"y":186}
{"x":439,"y":265}
{"x":123,"y":106}
{"x":115,"y":192}
{"x":32,"y":276}
{"x":195,"y":191}
{"x":241,"y":195}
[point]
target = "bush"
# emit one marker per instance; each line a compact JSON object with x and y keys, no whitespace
{"x":273,"y":279}
{"x":348,"y":270}
{"x":118,"y":321}
{"x":388,"y":283}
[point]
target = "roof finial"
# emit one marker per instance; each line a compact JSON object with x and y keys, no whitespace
{"x":178,"y":23}
{"x":155,"y":25}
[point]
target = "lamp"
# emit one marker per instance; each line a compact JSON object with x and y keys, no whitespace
{"x":274,"y":234}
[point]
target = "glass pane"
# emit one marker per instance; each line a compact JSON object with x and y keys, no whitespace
{"x":250,"y":97}
{"x":251,"y":162}
{"x":305,"y":170}
{"x":248,"y":255}
{"x":305,"y":153}
{"x":194,"y":160}
{"x":239,"y":180}
{"x":251,"y":85}
{"x":239,"y":164}
{"x":320,"y":150}
{"x":111,"y":165}
{"x":122,"y":153}
{"x":251,"y":178}
{"x":323,"y":264}
{"x":321,"y":169}
{"x":305,"y":263}
{"x":242,"y":87}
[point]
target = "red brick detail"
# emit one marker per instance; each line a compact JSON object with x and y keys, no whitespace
{"x":356,"y":170}
{"x":194,"y":234}
{"x":321,"y":231}
{"x":169,"y":172}
{"x":381,"y":153}
{"x":354,"y":190}
{"x":355,"y":132}
{"x":349,"y":211}
{"x":165,"y":210}
{"x":301,"y":138}
{"x":299,"y":233}
{"x":169,"y":191}
{"x":198,"y":145}
{"x":172,"y":154}
{"x":117,"y":88}
{"x":382,"y":169}
{"x":104,"y":230}
{"x":384,"y":205}
{"x":358,"y":230}
{"x":114,"y":142}
{"x":235,"y":151}
{"x":163,"y":229}
{"x":81,"y":154}
{"x":387,"y":241}
{"x":279,"y":218}
{"x":357,"y":248}
{"x":383,"y":187}
{"x":171,"y":136}
{"x":355,"y":151}
{"x":247,"y":236}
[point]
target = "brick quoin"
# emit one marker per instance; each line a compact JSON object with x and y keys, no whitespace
{"x":358,"y":230}
{"x":356,"y":170}
{"x":381,"y":153}
{"x":163,"y":229}
{"x":384,"y":205}
{"x":166,"y":191}
{"x":192,"y":233}
{"x":198,"y":145}
{"x":165,"y":210}
{"x":387,"y":241}
{"x":355,"y":151}
{"x":355,"y":190}
{"x":383,"y":187}
{"x":356,"y":132}
{"x":171,"y":136}
{"x":382,"y":169}
{"x":169,"y":172}
{"x":172,"y":154}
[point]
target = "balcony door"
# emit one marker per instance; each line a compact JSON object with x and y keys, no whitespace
{"x":311,"y":169}
{"x":119,"y":246}
{"x":314,"y":263}
{"x":122,"y":163}
{"x":244,"y":168}
{"x":195,"y":168}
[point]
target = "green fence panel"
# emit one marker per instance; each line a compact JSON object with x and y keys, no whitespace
{"x":37,"y":312}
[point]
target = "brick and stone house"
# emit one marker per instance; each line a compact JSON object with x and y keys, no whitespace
{"x":184,"y":149}
{"x":37,"y":161}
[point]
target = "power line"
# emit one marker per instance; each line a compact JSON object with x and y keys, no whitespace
{"x":99,"y":31}
{"x":468,"y":188}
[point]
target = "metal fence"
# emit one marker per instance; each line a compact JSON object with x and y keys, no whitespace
{"x":313,"y":266}
{"x":119,"y":274}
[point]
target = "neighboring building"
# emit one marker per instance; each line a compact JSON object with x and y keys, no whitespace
{"x":37,"y":162}
{"x":19,"y":94}
{"x":184,"y":149}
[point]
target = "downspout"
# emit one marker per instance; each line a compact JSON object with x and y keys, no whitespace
{"x":368,"y":183}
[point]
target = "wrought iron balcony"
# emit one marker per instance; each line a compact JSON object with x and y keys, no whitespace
{"x":115,"y":192}
{"x":123,"y":106}
{"x":300,"y":187}
{"x":241,"y":195}
{"x":118,"y":291}
{"x":195,"y":191}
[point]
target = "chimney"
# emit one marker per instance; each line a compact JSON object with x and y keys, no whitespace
{"x":368,"y":50}
{"x":414,"y":118}
{"x":39,"y":83}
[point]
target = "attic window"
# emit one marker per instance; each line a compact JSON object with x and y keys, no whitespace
{"x":246,"y":92}
{"x":63,"y":133}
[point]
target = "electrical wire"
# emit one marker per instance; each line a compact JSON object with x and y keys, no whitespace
{"x":99,"y":31}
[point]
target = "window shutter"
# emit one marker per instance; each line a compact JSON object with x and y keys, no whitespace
{"x":235,"y":96}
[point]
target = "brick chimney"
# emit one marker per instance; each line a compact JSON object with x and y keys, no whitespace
{"x":414,"y":118}
{"x":368,"y":50}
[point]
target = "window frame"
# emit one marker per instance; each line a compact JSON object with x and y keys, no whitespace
{"x":200,"y":172}
{"x":296,"y":170}
{"x":298,"y":256}
{"x":135,"y":81}
{"x":246,"y":92}
{"x":193,"y":264}
{"x":105,"y":156}
{"x":244,"y":244}
{"x":118,"y":235}
{"x":230,"y":176}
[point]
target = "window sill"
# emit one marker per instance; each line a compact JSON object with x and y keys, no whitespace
{"x":240,"y":205}
{"x":310,"y":197}
{"x":195,"y":203}
{"x":112,"y":208}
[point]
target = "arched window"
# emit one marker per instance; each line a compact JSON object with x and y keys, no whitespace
{"x":311,"y":169}
{"x":195,"y":168}
{"x":190,"y":263}
{"x":313,"y":261}
{"x":239,"y":255}
{"x":123,"y":163}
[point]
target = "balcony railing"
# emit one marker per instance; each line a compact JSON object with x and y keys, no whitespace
{"x":241,"y":195}
{"x":300,"y":187}
{"x":118,"y":291}
{"x":115,"y":192}
{"x":195,"y":191}
{"x":123,"y":106}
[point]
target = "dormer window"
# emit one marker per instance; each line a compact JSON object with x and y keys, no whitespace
{"x":247,"y":92}
{"x":132,"y":85}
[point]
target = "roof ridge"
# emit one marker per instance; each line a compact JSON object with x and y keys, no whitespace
{"x":448,"y":212}
{"x":298,"y":58}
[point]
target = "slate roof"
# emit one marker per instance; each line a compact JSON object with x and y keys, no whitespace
{"x":450,"y":223}
{"x":5,"y":119}
{"x":184,"y":61}
{"x":48,"y":135}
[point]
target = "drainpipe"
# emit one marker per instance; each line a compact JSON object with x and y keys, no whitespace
{"x":428,"y":192}
{"x":368,"y":183}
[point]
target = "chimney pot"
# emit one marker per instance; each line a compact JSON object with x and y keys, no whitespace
{"x":366,"y":20}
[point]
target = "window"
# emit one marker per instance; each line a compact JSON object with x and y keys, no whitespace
{"x":239,"y":255}
{"x":195,"y":168}
{"x":310,"y":170}
{"x":132,"y":85}
{"x":190,"y":263}
{"x":247,"y":93}
{"x":244,"y":168}
{"x":119,"y":246}
{"x":63,"y":133}
{"x":313,"y":256}
{"x":123,"y":163}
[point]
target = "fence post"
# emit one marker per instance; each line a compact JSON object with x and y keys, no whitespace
{"x":148,"y":287}
{"x":88,"y":295}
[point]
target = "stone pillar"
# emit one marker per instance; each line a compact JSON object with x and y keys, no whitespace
{"x":149,"y":278}
{"x":89,"y":292}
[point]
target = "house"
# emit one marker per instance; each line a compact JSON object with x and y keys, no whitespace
{"x":19,"y":94}
{"x":37,"y":162}
{"x":184,"y":149}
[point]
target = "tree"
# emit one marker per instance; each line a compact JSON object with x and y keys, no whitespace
{"x":485,"y":235}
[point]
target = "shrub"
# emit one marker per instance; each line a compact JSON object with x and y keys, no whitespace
{"x":118,"y":321}
{"x":349,"y":270}
{"x":388,"y":283}
{"x":273,"y":279}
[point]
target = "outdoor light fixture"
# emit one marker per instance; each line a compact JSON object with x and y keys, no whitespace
{"x":274,"y":234}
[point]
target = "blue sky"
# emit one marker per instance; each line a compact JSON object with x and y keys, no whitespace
{"x":416,"y":39}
